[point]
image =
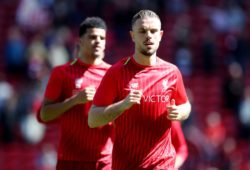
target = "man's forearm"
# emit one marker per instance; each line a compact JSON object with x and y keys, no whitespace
{"x":51,"y":111}
{"x":99,"y":116}
{"x":185,"y":110}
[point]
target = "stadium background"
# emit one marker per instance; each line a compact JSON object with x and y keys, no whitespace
{"x":208,"y":39}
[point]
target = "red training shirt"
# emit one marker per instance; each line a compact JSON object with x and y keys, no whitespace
{"x":142,"y":133}
{"x":178,"y":140}
{"x":78,"y":142}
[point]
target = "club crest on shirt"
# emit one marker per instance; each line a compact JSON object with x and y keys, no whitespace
{"x":164,"y":85}
{"x":78,"y":83}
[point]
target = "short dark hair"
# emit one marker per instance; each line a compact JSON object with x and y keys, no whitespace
{"x":142,"y":14}
{"x":91,"y":22}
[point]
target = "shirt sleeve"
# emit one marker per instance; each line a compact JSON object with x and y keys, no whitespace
{"x":38,"y":116}
{"x":107,"y":90}
{"x":180,"y":95}
{"x":54,"y":86}
{"x":178,"y":140}
{"x":52,"y":92}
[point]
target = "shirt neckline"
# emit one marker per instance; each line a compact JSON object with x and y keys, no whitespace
{"x":144,"y":66}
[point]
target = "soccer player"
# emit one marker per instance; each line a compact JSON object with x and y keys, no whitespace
{"x":141,"y":94}
{"x":179,"y":143}
{"x":68,"y":97}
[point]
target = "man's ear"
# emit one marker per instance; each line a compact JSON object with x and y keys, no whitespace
{"x":79,"y":41}
{"x":131,"y":35}
{"x":161,"y":32}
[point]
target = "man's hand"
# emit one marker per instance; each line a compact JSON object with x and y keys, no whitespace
{"x":134,"y":97}
{"x":173,"y":111}
{"x":85,"y":95}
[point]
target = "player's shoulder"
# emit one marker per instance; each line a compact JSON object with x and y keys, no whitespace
{"x":115,"y":69}
{"x":121,"y":63}
{"x":62,"y":67}
{"x":167,"y":64}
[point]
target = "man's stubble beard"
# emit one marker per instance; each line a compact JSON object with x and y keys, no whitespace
{"x":147,"y":53}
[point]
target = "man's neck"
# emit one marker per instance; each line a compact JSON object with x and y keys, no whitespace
{"x":95,"y":61}
{"x":90,"y":59}
{"x":145,"y":60}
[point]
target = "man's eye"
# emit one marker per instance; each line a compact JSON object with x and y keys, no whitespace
{"x":142,"y":31}
{"x":92,"y":37}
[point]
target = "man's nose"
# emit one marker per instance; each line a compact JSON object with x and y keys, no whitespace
{"x":148,"y":34}
{"x":98,"y":40}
